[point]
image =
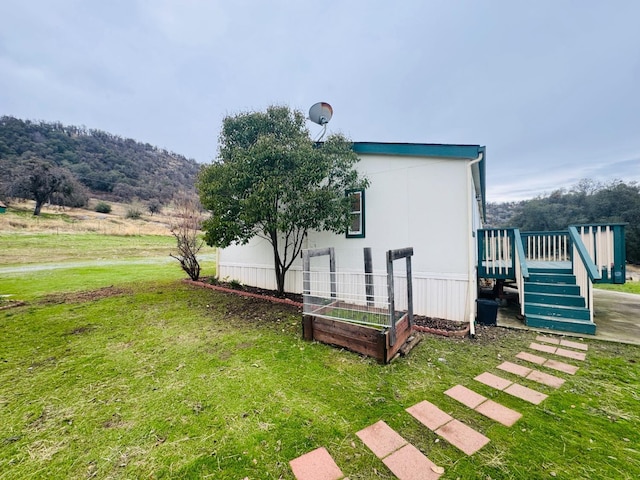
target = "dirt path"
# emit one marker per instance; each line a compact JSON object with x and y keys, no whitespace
{"x":95,"y":263}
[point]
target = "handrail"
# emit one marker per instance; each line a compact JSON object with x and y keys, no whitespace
{"x":524,"y":270}
{"x":591,"y":268}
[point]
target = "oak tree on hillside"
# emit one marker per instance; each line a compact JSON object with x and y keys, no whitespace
{"x":271,"y":180}
{"x":43,"y":182}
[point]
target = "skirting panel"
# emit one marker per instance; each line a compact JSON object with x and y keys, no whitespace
{"x":434,"y":295}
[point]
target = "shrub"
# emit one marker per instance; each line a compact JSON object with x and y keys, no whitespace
{"x":103,"y":207}
{"x":133,"y":213}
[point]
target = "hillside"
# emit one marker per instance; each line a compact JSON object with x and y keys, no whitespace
{"x":109,"y":166}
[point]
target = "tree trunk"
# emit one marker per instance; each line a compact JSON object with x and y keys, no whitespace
{"x":280,"y":280}
{"x":36,"y":211}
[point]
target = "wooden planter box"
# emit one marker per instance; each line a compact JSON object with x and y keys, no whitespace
{"x":357,"y":338}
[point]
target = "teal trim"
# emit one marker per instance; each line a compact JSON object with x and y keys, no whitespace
{"x":619,"y":255}
{"x":592,"y":270}
{"x":419,"y":149}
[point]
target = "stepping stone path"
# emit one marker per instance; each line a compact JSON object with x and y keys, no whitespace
{"x":406,"y":462}
{"x":403,"y":459}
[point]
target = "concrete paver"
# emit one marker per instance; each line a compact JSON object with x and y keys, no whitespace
{"x":462,"y":436}
{"x":466,"y":396}
{"x":381,"y":439}
{"x":576,"y":345}
{"x":409,"y":463}
{"x":530,"y":374}
{"x":561,"y":366}
{"x":316,"y":465}
{"x":530,"y":357}
{"x":526,"y":393}
{"x":553,"y":340}
{"x":543,"y":348}
{"x":514,"y":368}
{"x":429,"y":415}
{"x":545,"y":379}
{"x":493,"y":381}
{"x":499,"y":413}
{"x":563,"y":352}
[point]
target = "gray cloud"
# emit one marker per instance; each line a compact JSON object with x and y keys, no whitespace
{"x":549,"y":87}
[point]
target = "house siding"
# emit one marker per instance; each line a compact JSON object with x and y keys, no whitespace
{"x":411,"y":202}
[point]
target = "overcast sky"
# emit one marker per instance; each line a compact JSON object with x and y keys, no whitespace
{"x":552,"y":88}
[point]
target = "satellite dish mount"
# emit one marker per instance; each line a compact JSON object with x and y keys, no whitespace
{"x":321,"y":113}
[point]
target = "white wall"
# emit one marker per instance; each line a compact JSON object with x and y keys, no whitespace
{"x":411,"y":202}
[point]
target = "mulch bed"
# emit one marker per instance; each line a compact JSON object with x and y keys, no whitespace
{"x":6,"y":305}
{"x":439,"y":326}
{"x":435,"y":326}
{"x":293,"y":299}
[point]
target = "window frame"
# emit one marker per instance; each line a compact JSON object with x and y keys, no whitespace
{"x":361,"y":212}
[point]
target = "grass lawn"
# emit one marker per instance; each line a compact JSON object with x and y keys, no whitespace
{"x":143,"y":376}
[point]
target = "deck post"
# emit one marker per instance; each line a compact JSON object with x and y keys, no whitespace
{"x":391,"y":256}
{"x":409,"y":292}
{"x":392,"y":303}
{"x":368,"y":277}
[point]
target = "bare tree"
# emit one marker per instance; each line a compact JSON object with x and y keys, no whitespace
{"x":186,"y":230}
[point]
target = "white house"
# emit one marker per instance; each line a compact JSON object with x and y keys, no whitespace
{"x":427,"y":196}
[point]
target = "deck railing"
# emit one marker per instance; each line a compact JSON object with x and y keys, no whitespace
{"x":495,"y":253}
{"x":605,"y":245}
{"x":584,"y":268}
{"x":522,"y":271}
{"x":547,"y":246}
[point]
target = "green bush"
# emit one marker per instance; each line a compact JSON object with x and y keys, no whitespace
{"x":133,"y":213}
{"x":103,"y":207}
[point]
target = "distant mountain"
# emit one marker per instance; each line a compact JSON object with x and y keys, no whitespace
{"x":109,"y":166}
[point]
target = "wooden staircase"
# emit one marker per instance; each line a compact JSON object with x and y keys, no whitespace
{"x":552,"y":300}
{"x":554,"y":272}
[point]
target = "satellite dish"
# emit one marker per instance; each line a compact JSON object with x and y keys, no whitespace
{"x":320,"y":113}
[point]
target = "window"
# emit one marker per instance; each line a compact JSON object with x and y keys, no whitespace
{"x":356,"y":226}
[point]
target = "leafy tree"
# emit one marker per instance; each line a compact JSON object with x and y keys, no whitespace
{"x":186,"y":230}
{"x":44,"y":182}
{"x":154,"y":207}
{"x":586,"y":202}
{"x":272,"y":181}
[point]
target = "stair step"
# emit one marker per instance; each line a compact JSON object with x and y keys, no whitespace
{"x":566,"y":271}
{"x":552,"y":278}
{"x":557,"y":311}
{"x":561,"y":324}
{"x":555,"y":288}
{"x":554,"y":299}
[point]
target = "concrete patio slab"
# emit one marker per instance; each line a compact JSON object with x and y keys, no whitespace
{"x":530,"y":357}
{"x":466,"y":396}
{"x":561,"y":366}
{"x":545,"y":379}
{"x":316,"y":465}
{"x":493,"y":381}
{"x":499,"y":413}
{"x":514,"y":368}
{"x":462,"y":436}
{"x":526,"y":393}
{"x":429,"y":415}
{"x":381,"y":439}
{"x":409,"y":463}
{"x":617,"y":318}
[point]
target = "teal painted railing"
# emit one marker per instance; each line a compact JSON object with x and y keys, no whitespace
{"x":496,"y":253}
{"x":521,"y":269}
